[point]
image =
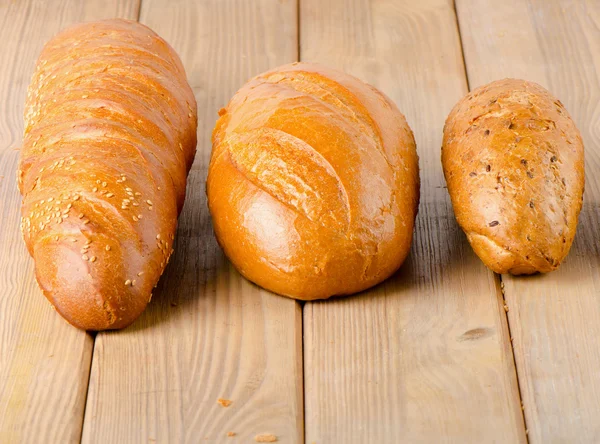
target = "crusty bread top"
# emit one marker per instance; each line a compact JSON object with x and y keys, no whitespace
{"x":313,"y":183}
{"x":110,"y":134}
{"x":513,"y":161}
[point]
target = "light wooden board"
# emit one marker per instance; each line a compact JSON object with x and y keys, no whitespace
{"x":426,"y":356}
{"x":44,"y":362}
{"x":555,"y":319}
{"x":208,"y":333}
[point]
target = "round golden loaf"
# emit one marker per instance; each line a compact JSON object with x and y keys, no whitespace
{"x":313,"y":183}
{"x":110,"y":135}
{"x":513,"y":162}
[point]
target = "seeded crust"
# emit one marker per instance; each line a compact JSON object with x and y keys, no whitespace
{"x":110,"y":135}
{"x":313,"y":184}
{"x":513,"y":162}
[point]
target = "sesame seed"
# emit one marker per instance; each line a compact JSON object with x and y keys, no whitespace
{"x":158,"y":236}
{"x":127,"y":282}
{"x":73,"y":240}
{"x":98,"y":181}
{"x":135,"y":204}
{"x":93,"y":259}
{"x":128,"y":189}
{"x":149,"y":202}
{"x":140,"y":273}
{"x":104,"y":184}
{"x":84,"y":257}
{"x":135,"y":218}
{"x":109,"y":195}
{"x":85,"y":222}
{"x":137,"y":193}
{"x":158,"y":188}
{"x":133,"y":282}
{"x":66,"y":211}
{"x":76,"y":197}
{"x":126,"y":200}
{"x":80,"y":215}
{"x":56,"y":238}
{"x":49,"y":199}
{"x":69,"y":206}
{"x":88,"y":242}
{"x":150,"y":208}
{"x":139,"y":216}
{"x":107,"y":248}
{"x":95,"y":189}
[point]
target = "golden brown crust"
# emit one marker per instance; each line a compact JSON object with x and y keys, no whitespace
{"x":110,"y":135}
{"x":313,"y":184}
{"x":513,"y":162}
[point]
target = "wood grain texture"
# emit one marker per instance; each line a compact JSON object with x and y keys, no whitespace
{"x":426,"y":356}
{"x":44,"y":362}
{"x":554,"y":318}
{"x":208,"y":333}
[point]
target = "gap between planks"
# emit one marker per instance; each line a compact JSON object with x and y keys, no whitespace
{"x":95,"y":334}
{"x":498,"y":276}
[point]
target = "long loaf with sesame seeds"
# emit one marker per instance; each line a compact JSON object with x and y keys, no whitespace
{"x":513,"y":161}
{"x":110,"y":136}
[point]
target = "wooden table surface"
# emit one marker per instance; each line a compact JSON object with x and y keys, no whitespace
{"x":444,"y":351}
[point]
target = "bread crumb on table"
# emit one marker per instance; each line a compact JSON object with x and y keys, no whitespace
{"x":224,"y":402}
{"x":265,"y":437}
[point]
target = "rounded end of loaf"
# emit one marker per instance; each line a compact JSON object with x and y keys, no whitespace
{"x":313,"y":185}
{"x":502,"y":261}
{"x":86,"y":289}
{"x":274,"y":247}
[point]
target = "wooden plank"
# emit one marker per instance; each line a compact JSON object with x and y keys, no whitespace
{"x":208,"y":333}
{"x":426,"y":356}
{"x":555,"y":318}
{"x":44,"y":362}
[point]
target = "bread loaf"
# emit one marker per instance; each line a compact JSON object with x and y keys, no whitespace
{"x":513,"y":161}
{"x":110,"y":135}
{"x":313,"y":183}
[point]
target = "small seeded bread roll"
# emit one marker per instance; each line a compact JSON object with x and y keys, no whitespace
{"x":110,"y":135}
{"x":513,"y":161}
{"x":313,"y":184}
